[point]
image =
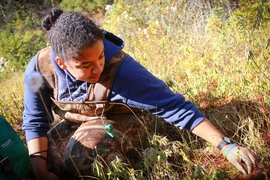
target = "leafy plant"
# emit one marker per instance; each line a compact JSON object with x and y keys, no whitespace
{"x":19,"y":42}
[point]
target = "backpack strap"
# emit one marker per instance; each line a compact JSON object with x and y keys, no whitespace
{"x":45,"y":67}
{"x":8,"y":168}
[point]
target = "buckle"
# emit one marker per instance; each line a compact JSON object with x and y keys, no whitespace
{"x":5,"y":163}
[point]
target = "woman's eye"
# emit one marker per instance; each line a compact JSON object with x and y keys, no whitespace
{"x":101,"y":57}
{"x":85,"y":67}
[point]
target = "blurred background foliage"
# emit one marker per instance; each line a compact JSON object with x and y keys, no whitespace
{"x":21,"y":35}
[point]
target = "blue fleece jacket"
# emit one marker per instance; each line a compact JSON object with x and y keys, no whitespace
{"x":134,"y":85}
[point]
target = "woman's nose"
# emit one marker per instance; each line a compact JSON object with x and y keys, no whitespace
{"x":97,"y":69}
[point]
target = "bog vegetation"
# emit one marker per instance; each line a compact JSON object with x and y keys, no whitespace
{"x":215,"y":53}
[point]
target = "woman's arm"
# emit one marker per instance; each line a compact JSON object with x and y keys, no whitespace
{"x":208,"y":132}
{"x":38,"y":152}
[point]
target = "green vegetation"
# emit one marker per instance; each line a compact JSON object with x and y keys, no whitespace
{"x":217,"y":55}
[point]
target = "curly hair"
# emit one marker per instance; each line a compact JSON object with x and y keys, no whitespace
{"x":70,"y":32}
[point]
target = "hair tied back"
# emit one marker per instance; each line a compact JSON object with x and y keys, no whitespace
{"x":49,"y":19}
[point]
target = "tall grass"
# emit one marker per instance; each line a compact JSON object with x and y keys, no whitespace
{"x":222,"y":66}
{"x":11,"y":104}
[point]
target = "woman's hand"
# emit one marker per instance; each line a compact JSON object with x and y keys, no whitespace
{"x":41,"y":171}
{"x":47,"y":176}
{"x":237,"y":155}
{"x":38,"y":152}
{"x":242,"y":158}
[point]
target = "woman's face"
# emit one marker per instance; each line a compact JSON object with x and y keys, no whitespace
{"x":89,"y":65}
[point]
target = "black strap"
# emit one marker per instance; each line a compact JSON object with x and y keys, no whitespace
{"x":9,"y":169}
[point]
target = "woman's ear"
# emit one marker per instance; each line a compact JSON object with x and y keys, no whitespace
{"x":60,"y":63}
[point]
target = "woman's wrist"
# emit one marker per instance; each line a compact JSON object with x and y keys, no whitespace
{"x":208,"y":132}
{"x":39,"y":167}
{"x":229,"y":148}
{"x":224,"y":148}
{"x":39,"y":154}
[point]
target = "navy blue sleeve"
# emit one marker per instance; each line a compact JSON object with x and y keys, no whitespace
{"x":137,"y":87}
{"x":35,"y":117}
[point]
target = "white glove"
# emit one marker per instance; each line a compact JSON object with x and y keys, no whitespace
{"x":242,"y":158}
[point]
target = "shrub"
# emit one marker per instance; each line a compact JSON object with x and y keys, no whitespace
{"x":20,"y":40}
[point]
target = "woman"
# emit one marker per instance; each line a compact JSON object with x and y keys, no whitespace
{"x":86,"y":64}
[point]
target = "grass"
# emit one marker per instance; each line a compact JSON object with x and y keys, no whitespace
{"x":223,"y":70}
{"x":11,"y":104}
